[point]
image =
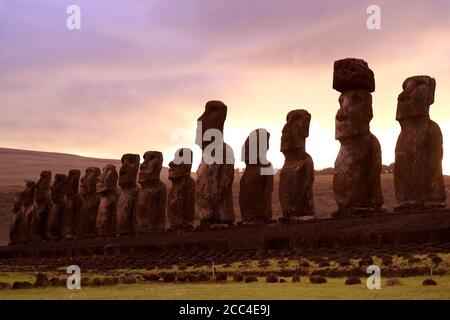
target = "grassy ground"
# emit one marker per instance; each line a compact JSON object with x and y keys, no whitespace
{"x":410,"y":288}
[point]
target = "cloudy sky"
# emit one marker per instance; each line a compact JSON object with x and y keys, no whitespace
{"x":138,"y":73}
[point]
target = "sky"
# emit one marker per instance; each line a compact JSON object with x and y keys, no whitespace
{"x":137,"y":75}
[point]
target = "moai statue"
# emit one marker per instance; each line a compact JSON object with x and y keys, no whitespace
{"x":418,"y":179}
{"x":356,"y":181}
{"x":22,"y":209}
{"x":215,"y":175}
{"x":297,"y":174}
{"x":90,"y":202}
{"x":107,"y":189}
{"x":181,"y":199}
{"x":58,"y":196}
{"x":41,"y":207}
{"x":152,"y":197}
{"x":71,"y":216}
{"x":126,"y":204}
{"x":256,"y":184}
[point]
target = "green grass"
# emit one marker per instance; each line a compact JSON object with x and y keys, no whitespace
{"x":411,"y":288}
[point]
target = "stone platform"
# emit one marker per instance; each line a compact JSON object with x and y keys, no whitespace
{"x":388,"y":229}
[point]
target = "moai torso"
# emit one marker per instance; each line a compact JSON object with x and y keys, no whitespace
{"x":126,"y":204}
{"x":215,"y":175}
{"x":22,"y":209}
{"x":357,"y":170}
{"x":90,"y":201}
{"x":58,"y":196}
{"x":41,"y":207}
{"x":181,"y":198}
{"x":256,"y":184}
{"x":152,"y":196}
{"x":297,"y":174}
{"x":71,"y":215}
{"x":106,"y":188}
{"x":418,"y":179}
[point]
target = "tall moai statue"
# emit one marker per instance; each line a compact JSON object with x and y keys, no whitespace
{"x":152,"y":196}
{"x":41,"y":207}
{"x":22,"y":209}
{"x":181,"y":199}
{"x":256,"y":184}
{"x":126,"y":204}
{"x":418,"y":179}
{"x":72,"y":209}
{"x":357,"y":170}
{"x":58,"y":196}
{"x":90,"y":202}
{"x":297,"y":174}
{"x":107,"y":190}
{"x":215,"y":174}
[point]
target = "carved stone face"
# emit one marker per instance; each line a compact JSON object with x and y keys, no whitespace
{"x":129,"y":170}
{"x":24,"y":197}
{"x":151,"y":167}
{"x":296,"y":130}
{"x":43,"y":185}
{"x":89,"y":181}
{"x":213,"y":118}
{"x":255,"y":148}
{"x":354,"y":115}
{"x":107,"y":181}
{"x":416,"y":97}
{"x":58,"y":187}
{"x":182,"y":164}
{"x":73,"y":181}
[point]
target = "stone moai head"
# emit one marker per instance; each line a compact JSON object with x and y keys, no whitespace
{"x":254,"y":150}
{"x":58,"y":187}
{"x":107,"y":181}
{"x":151,"y":167}
{"x":354,"y":114}
{"x":416,"y":97}
{"x":89,"y":181}
{"x":181,"y":164}
{"x":212,"y":118}
{"x":43,"y":184}
{"x":73,"y":181}
{"x":296,"y":130}
{"x":24,"y":197}
{"x":129,"y":170}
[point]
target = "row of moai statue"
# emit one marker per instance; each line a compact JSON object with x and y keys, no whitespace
{"x":50,"y":211}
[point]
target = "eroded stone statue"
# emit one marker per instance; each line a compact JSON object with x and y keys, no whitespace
{"x":297,"y":174}
{"x":128,"y":192}
{"x":181,"y":199}
{"x":418,"y":179}
{"x":22,"y":209}
{"x":152,"y":196}
{"x":41,"y":207}
{"x":107,"y":190}
{"x":71,"y":215}
{"x":357,"y":169}
{"x":58,"y":196}
{"x":215,"y":174}
{"x":256,"y":184}
{"x":90,"y":202}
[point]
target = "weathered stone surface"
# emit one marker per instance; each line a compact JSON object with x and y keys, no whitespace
{"x":351,"y":74}
{"x":90,"y":202}
{"x":215,"y":175}
{"x":58,"y":196}
{"x":128,"y":192}
{"x":71,"y":215}
{"x":256,"y":184}
{"x":22,"y":209}
{"x":41,"y":209}
{"x":152,"y":197}
{"x":107,"y":189}
{"x":356,"y":181}
{"x":181,"y":199}
{"x":418,"y":179}
{"x":297,"y":174}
